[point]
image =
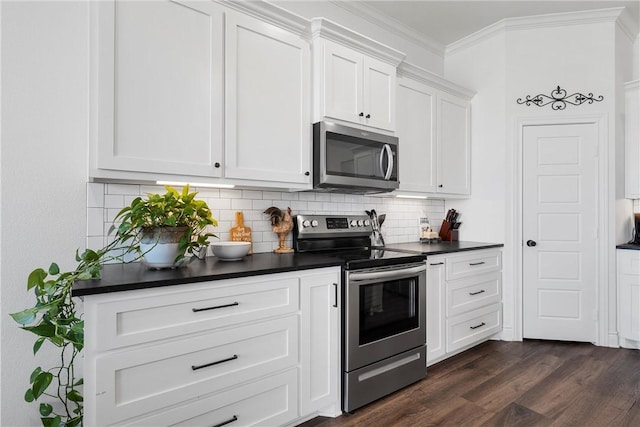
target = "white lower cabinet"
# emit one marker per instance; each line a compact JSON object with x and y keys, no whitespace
{"x":629,"y":298}
{"x":464,"y":301}
{"x":262,"y":350}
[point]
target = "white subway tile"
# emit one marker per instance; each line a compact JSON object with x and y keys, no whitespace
{"x":95,"y":195}
{"x":252,"y":194}
{"x":239,"y":204}
{"x":114,"y":201}
{"x":126,"y":189}
{"x":230,"y":194}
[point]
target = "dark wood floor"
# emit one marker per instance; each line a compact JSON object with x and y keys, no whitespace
{"x":530,"y":383}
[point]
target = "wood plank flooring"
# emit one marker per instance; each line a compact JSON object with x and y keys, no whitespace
{"x":530,"y":383}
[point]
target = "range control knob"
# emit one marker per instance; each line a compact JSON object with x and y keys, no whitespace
{"x":353,"y":223}
{"x":306,"y":223}
{"x":360,"y":223}
{"x":314,"y":223}
{"x":367,"y":223}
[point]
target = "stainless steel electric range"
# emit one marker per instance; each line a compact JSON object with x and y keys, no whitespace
{"x":383,"y":310}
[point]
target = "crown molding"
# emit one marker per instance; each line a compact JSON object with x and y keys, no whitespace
{"x":323,"y":28}
{"x":433,"y":80}
{"x":391,"y":25}
{"x":273,"y":14}
{"x":619,"y":15}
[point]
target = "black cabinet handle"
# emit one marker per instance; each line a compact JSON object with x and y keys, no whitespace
{"x":307,"y":173}
{"x":335,"y":289}
{"x":476,"y":263}
{"x":368,"y":116}
{"x":216,"y":164}
{"x":361,"y":114}
{"x":477,"y":326}
{"x":531,"y":243}
{"x":195,"y":310}
{"x":437,"y":263}
{"x":477,"y":293}
{"x":217,"y":362}
{"x":229,"y":421}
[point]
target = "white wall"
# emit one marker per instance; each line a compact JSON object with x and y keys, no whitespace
{"x":43,"y":169}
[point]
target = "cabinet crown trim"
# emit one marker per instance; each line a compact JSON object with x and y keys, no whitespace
{"x":414,"y":72}
{"x":323,"y":28}
{"x":272,"y":14}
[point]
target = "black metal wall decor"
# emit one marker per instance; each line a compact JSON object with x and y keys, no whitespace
{"x":559,"y":99}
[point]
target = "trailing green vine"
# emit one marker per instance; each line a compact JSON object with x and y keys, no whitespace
{"x":54,"y":319}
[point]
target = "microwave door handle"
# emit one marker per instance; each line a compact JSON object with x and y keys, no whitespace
{"x":387,"y":175}
{"x":382,"y":172}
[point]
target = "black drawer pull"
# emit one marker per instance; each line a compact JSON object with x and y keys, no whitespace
{"x":195,"y":310}
{"x":437,"y":263}
{"x":477,"y":293}
{"x":228,"y":359}
{"x":478,"y":326}
{"x":335,"y":287}
{"x":476,"y":263}
{"x":224,"y":423}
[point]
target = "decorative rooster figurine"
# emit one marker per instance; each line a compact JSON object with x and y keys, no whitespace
{"x":281,"y":224}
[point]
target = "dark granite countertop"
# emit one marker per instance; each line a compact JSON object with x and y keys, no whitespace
{"x":630,"y":246}
{"x":442,"y":247}
{"x":126,"y":277}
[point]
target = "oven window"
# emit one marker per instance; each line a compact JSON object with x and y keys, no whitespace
{"x":388,"y":308}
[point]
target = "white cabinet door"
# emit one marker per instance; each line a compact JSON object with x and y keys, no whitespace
{"x":379,"y":94}
{"x":436,"y":342}
{"x":320,"y":352}
{"x":342,"y":83}
{"x":454,"y":147}
{"x":159,"y":87}
{"x":416,"y":134}
{"x":357,"y":88}
{"x":632,"y":139}
{"x":267,"y":120}
{"x":629,"y":297}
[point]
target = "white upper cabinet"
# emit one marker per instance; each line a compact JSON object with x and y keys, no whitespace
{"x":267,"y":114}
{"x":186,"y":90}
{"x":159,"y":87}
{"x":417,"y":136}
{"x":632,"y":139}
{"x":454,"y":145}
{"x":354,"y":77}
{"x":434,"y":134}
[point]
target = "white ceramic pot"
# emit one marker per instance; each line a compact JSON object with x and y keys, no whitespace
{"x":160,"y":246}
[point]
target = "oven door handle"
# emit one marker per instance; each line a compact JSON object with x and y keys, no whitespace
{"x":385,"y":274}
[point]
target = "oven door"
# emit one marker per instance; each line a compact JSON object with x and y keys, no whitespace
{"x":385,"y":312}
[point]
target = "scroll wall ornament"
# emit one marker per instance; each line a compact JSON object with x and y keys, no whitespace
{"x":559,"y":99}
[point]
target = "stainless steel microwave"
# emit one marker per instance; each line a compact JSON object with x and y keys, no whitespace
{"x":351,"y":160}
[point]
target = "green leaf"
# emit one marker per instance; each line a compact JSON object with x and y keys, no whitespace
{"x":85,"y":275}
{"x":36,"y":278}
{"x":34,"y":374}
{"x":25,"y":316}
{"x":73,"y":422}
{"x":79,"y":382}
{"x":74,"y":396}
{"x":54,"y":269}
{"x":51,"y":421}
{"x":44,"y":330}
{"x":38,"y":344}
{"x":28,"y":396}
{"x":45,"y":409}
{"x":42,"y":381}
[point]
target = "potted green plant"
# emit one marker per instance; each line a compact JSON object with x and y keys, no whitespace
{"x":166,"y":226}
{"x":54,"y":318}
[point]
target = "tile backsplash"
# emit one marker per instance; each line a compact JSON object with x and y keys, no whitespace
{"x":104,"y":200}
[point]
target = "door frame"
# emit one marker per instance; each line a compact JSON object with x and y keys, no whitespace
{"x":603,"y":215}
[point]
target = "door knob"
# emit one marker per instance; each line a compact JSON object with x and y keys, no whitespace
{"x":531,"y":243}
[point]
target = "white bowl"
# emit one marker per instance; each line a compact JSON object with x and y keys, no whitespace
{"x":230,"y":251}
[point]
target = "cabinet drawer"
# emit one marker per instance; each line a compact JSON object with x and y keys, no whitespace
{"x":473,"y":292}
{"x":136,"y":317}
{"x":472,"y":263}
{"x":150,"y":378}
{"x":270,"y":401}
{"x":473,"y":327}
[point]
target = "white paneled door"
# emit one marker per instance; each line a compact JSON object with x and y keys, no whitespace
{"x":559,"y":232}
